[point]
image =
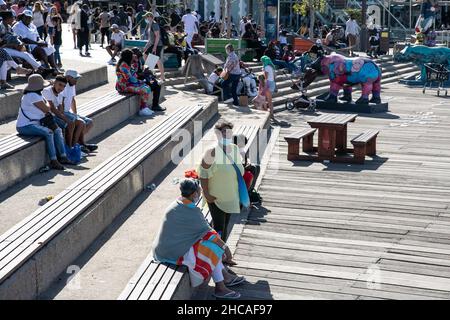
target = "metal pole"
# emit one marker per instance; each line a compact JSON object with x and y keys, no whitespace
{"x":278,"y":19}
{"x":364,"y":26}
{"x":389,"y":15}
{"x":410,"y":14}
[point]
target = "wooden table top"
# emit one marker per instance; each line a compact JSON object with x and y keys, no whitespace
{"x":332,"y":120}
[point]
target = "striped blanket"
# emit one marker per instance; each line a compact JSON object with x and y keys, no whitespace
{"x":202,"y":258}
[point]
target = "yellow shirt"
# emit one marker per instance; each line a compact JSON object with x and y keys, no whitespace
{"x":222,"y":179}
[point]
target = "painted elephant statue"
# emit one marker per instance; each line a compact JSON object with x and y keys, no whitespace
{"x":344,"y":73}
{"x":419,"y":55}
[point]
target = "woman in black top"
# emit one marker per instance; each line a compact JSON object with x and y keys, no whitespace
{"x":252,"y":41}
{"x":57,"y":39}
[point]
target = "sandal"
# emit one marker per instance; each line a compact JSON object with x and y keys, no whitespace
{"x":233,"y":295}
{"x":236,"y":281}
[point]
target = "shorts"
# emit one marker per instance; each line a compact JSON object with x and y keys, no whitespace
{"x":116,"y":46}
{"x":51,"y":31}
{"x":73,"y":117}
{"x":61,"y":123}
{"x":271,"y":86}
{"x":158,"y":50}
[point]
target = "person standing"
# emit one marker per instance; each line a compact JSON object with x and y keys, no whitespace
{"x":190,"y":26}
{"x":351,"y":33}
{"x":219,"y":180}
{"x":233,"y":69}
{"x":57,"y":39}
{"x":122,"y":19}
{"x":84,"y":31}
{"x":154,"y":44}
{"x":104,"y":18}
{"x":38,"y":18}
{"x":140,"y":21}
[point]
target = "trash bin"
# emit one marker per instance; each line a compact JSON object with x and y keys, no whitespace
{"x":384,"y":41}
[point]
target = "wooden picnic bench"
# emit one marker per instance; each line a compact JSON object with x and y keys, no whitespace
{"x":164,"y":281}
{"x":332,"y":140}
{"x":33,"y":239}
{"x":365,"y":144}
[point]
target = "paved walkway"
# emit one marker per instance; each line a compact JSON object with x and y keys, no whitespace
{"x":377,"y":231}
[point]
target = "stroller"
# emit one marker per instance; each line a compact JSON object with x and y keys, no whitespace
{"x":301,"y":102}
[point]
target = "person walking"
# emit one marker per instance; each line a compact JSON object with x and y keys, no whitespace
{"x":104,"y":20}
{"x":233,"y":75}
{"x":219,"y":180}
{"x":191,"y":26}
{"x":351,"y":33}
{"x":84,"y":31}
{"x":154,"y":44}
{"x":38,"y":18}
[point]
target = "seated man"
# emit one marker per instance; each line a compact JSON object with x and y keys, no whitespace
{"x":116,"y":43}
{"x":214,"y":79}
{"x":12,"y":44}
{"x":173,"y":47}
{"x":70,"y":111}
{"x":29,"y":35}
{"x":53,"y":94}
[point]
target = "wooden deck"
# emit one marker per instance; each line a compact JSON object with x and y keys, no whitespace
{"x":374,"y":231}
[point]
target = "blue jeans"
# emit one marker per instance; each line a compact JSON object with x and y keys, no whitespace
{"x":52,"y":139}
{"x":57,"y":54}
{"x":40,"y":31}
{"x":232,"y":80}
{"x":284,"y":65}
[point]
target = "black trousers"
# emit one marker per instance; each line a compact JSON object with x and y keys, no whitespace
{"x":156,"y":90}
{"x":105,"y":32}
{"x":83,"y":39}
{"x":220,"y":220}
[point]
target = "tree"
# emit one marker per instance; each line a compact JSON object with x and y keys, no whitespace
{"x":304,"y":6}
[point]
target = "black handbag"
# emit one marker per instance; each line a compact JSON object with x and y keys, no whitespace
{"x":48,"y":121}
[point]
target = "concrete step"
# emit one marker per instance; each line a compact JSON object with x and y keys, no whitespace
{"x":58,"y":247}
{"x":109,"y":263}
{"x":93,"y":76}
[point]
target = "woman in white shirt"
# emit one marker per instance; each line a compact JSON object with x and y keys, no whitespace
{"x":33,"y":108}
{"x":269,"y":75}
{"x":38,"y":18}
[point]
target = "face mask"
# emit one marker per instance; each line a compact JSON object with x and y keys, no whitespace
{"x":226,"y":141}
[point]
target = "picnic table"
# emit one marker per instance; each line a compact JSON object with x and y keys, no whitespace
{"x":332,"y":134}
{"x":332,"y":141}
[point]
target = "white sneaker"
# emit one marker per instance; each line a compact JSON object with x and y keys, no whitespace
{"x":83,"y":155}
{"x":228,"y":100}
{"x":111,"y":62}
{"x":146,"y":112}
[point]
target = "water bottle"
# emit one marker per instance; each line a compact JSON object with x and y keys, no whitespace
{"x":45,"y":200}
{"x":151,"y":187}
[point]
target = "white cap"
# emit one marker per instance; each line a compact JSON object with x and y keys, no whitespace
{"x":72,"y":73}
{"x":114,"y":26}
{"x":28,"y":13}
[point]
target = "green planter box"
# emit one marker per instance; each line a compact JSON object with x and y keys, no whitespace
{"x":134,"y":43}
{"x":217,"y":45}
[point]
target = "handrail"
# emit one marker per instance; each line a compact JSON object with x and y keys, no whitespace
{"x":390,"y":13}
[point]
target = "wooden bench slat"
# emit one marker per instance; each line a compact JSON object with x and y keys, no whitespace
{"x":163,"y":283}
{"x":300,"y":134}
{"x":365,"y":136}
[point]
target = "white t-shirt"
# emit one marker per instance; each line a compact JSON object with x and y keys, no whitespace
{"x":38,"y":19}
{"x":31,"y":111}
{"x":29,"y":32}
{"x":68,"y":95}
{"x":50,"y":95}
{"x":189,"y":21}
{"x":270,"y":74}
{"x":118,"y":37}
{"x":212,"y":79}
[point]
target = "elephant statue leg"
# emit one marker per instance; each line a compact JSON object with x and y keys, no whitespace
{"x":366,"y":90}
{"x":334,"y":91}
{"x":376,"y":91}
{"x":347,"y":94}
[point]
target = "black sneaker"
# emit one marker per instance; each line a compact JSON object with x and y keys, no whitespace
{"x":158,"y":108}
{"x":90,"y":147}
